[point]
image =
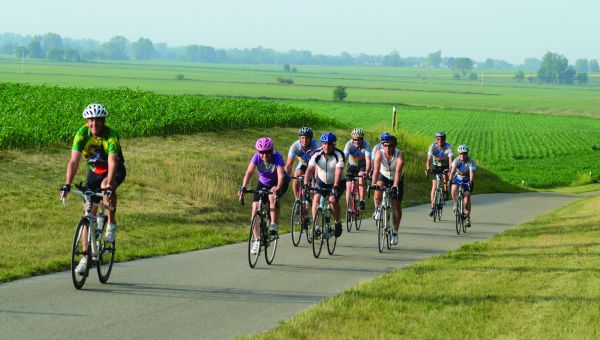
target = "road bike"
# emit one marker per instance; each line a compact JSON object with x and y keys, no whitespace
{"x":459,"y":211}
{"x":300,"y":219}
{"x":261,"y":220}
{"x":353,"y":212}
{"x":383,"y":218}
{"x":438,"y":197}
{"x":322,"y":229}
{"x":89,"y":240}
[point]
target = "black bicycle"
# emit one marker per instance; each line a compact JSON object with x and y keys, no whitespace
{"x":89,"y":240}
{"x":322,"y":228}
{"x":438,"y":197}
{"x":300,"y":219}
{"x":459,"y":212}
{"x":259,"y":229}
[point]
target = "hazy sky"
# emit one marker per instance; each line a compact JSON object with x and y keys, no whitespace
{"x":500,"y":29}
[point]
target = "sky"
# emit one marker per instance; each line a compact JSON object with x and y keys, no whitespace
{"x":499,"y":29}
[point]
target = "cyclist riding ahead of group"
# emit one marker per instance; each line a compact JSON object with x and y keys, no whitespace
{"x":99,"y":144}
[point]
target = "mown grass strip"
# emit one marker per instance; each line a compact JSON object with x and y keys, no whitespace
{"x":536,"y":281}
{"x":35,"y":116}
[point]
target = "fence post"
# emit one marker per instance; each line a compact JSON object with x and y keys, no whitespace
{"x":393,"y":118}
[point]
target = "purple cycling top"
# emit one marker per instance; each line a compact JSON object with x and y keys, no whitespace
{"x":267,"y":172}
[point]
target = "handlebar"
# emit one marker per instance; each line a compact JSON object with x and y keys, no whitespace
{"x":251,"y":191}
{"x":86,"y":195}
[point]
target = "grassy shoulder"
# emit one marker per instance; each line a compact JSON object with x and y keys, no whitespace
{"x":179,"y":195}
{"x":538,"y":280}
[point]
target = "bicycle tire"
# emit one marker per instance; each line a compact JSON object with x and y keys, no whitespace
{"x":309,"y":231}
{"x":253,"y":258}
{"x":77,"y":251}
{"x":270,"y":248}
{"x":440,"y":204}
{"x":458,"y":214}
{"x":435,"y":205}
{"x":349,"y":220}
{"x":380,"y":231}
{"x":317,"y":242}
{"x":332,"y":239}
{"x":388,"y":229}
{"x":296,"y":223}
{"x":463,"y":219}
{"x":358,"y":220}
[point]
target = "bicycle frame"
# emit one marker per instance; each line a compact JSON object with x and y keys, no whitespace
{"x":383,"y":219}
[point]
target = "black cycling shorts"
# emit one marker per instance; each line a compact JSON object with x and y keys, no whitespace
{"x":389,"y":183}
{"x":439,"y":169}
{"x":325,"y":189}
{"x":93,"y":181}
{"x":284,"y":188}
{"x":352,"y":171}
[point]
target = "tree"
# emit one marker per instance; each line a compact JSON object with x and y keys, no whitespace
{"x":582,"y":78}
{"x":115,"y":48}
{"x":581,"y":65}
{"x":286,"y":68}
{"x":463,"y":65}
{"x":519,"y":76}
{"x":55,"y":54}
{"x":35,"y":49}
{"x":532,"y":64}
{"x":72,"y":55}
{"x":8,"y":48}
{"x":555,"y":69}
{"x":594,"y":65}
{"x":472,"y":76}
{"x":200,"y":53}
{"x":434,"y":59}
{"x":142,"y":49}
{"x":339,"y":93}
{"x":392,"y":59}
{"x":21,"y":51}
{"x":51,"y":40}
{"x":488,"y":63}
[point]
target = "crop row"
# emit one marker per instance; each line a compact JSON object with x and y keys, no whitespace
{"x":36,"y":116}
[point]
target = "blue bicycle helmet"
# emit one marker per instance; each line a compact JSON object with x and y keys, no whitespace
{"x":384,"y":136}
{"x":389,"y":139}
{"x":328,"y":137}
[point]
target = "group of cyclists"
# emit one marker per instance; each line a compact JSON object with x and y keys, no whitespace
{"x":321,"y":166}
{"x":320,"y":163}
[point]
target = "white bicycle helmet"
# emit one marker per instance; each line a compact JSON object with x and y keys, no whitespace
{"x":95,"y":111}
{"x":358,"y":133}
{"x":463,"y":148}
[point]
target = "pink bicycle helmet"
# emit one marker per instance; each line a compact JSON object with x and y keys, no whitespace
{"x":264,"y":144}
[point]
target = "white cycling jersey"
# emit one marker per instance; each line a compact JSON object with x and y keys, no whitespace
{"x":464,"y":168}
{"x":387,"y":168}
{"x":357,"y":155}
{"x":440,"y":156}
{"x":296,"y":150}
{"x":325,"y":165}
{"x":375,"y":149}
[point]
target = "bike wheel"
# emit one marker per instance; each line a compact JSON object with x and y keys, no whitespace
{"x":358,"y":220}
{"x":349,"y":220}
{"x":253,"y":258}
{"x":317,"y":240}
{"x":388,"y":229}
{"x":462,"y":220}
{"x":458,"y":215}
{"x":331,"y":240}
{"x":105,"y":260}
{"x":380,"y":231}
{"x":297,"y":221}
{"x":436,"y":197}
{"x":77,"y":251}
{"x":271,"y":248}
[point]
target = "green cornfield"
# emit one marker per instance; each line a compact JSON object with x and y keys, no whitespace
{"x":36,"y":116}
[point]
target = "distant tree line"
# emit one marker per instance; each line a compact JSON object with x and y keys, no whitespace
{"x":553,"y":68}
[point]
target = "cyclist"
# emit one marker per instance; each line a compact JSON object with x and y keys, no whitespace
{"x":377,"y":194}
{"x":271,"y":176}
{"x":440,"y":155}
{"x":387,"y":171}
{"x":358,"y":152}
{"x":100,"y":145}
{"x":301,"y":149}
{"x":328,"y":163}
{"x":464,"y":167}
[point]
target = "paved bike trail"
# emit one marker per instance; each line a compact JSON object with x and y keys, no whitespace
{"x":213,"y":293}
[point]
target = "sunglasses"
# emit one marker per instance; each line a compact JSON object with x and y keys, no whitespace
{"x":464,"y":153}
{"x":266,"y":152}
{"x":388,"y":145}
{"x":357,"y":139}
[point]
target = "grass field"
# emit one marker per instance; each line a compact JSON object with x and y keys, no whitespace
{"x":535,"y":281}
{"x":409,"y":86}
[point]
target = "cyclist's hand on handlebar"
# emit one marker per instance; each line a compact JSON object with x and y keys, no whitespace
{"x":109,"y":192}
{"x":64,"y":190}
{"x":427,"y":172}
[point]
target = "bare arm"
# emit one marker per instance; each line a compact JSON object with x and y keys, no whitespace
{"x":112,"y":169}
{"x":72,"y":166}
{"x":309,"y":174}
{"x":288,"y":165}
{"x":399,"y":167}
{"x":249,"y":173}
{"x":376,"y":167}
{"x":280,"y":178}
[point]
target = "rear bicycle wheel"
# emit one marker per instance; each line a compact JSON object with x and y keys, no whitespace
{"x":349,"y":211}
{"x":317,"y":232}
{"x":106,"y":258}
{"x":253,"y":258}
{"x":297,"y":222}
{"x":78,"y":251}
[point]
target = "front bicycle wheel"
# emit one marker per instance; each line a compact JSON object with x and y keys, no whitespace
{"x":463,"y":218}
{"x":297,"y":223}
{"x":358,"y":220}
{"x":78,"y":251}
{"x":349,"y":219}
{"x":105,"y":260}
{"x":253,"y":256}
{"x":388,"y":229}
{"x":332,"y":239}
{"x":317,"y":232}
{"x":380,"y":230}
{"x":458,"y":215}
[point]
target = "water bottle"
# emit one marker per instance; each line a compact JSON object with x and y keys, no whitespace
{"x":99,"y":225}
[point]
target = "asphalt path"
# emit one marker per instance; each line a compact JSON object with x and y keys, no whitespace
{"x":212,"y":294}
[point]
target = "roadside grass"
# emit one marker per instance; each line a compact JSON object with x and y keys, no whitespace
{"x":536,"y":281}
{"x":179,"y":195}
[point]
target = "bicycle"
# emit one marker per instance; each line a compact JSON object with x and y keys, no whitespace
{"x":93,"y":224}
{"x":383,"y":218}
{"x":300,"y":219}
{"x":459,"y":211}
{"x":262,"y":220}
{"x":438,"y":198}
{"x":353,"y":213}
{"x":321,"y":228}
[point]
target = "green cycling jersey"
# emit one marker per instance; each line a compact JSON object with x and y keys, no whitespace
{"x":97,"y":149}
